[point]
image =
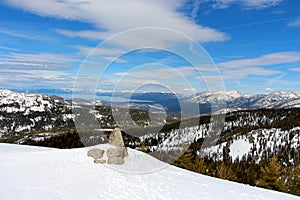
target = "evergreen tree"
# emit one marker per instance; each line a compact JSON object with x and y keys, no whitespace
{"x":199,"y":165}
{"x":272,"y":176}
{"x":225,"y":172}
{"x":144,"y":147}
{"x":294,"y":180}
{"x":191,"y":161}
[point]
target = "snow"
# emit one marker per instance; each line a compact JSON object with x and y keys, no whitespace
{"x":239,"y":148}
{"x":68,"y":116}
{"x":41,"y":173}
{"x":227,"y":110}
{"x":27,"y":102}
{"x":20,"y":149}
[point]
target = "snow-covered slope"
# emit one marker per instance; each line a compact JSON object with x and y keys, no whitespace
{"x":13,"y":102}
{"x":21,"y":112}
{"x":37,"y":173}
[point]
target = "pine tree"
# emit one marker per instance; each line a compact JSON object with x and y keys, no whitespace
{"x":199,"y":165}
{"x":225,"y":172}
{"x":272,"y":176}
{"x":294,"y":180}
{"x":191,"y":161}
{"x":144,"y":147}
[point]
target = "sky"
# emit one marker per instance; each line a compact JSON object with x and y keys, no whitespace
{"x":181,"y":46}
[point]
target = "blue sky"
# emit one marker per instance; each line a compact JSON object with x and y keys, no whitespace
{"x":254,"y":45}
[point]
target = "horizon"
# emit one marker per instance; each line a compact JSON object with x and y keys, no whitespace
{"x":107,"y":95}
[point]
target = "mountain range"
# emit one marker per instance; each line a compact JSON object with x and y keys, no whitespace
{"x":21,"y":112}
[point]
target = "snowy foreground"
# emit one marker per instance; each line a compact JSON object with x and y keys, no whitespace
{"x":43,"y":173}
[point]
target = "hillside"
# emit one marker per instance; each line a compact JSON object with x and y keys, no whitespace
{"x":41,"y":173}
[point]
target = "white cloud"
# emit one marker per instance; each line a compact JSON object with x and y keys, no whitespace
{"x":44,"y":57}
{"x":160,"y":73}
{"x":295,"y":23}
{"x":238,"y":69}
{"x":8,"y":48}
{"x":248,"y":4}
{"x":41,"y":61}
{"x":268,"y":89}
{"x":260,"y":4}
{"x":91,"y":51}
{"x":115,"y":59}
{"x":190,"y":89}
{"x":297,"y":69}
{"x":30,"y":36}
{"x":114,"y":16}
{"x":196,"y":7}
{"x":36,"y":70}
{"x":13,"y":78}
{"x":221,"y":4}
{"x":236,"y":74}
{"x":264,"y":60}
{"x":85,"y":34}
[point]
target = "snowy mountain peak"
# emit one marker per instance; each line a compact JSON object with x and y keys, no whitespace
{"x":234,"y":99}
{"x":214,"y":97}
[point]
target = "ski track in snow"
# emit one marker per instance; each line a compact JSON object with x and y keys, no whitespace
{"x":41,"y":173}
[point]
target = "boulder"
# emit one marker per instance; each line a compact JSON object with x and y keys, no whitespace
{"x":116,"y":161}
{"x":95,"y":153}
{"x":116,"y":139}
{"x":97,"y":161}
{"x":115,"y":152}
